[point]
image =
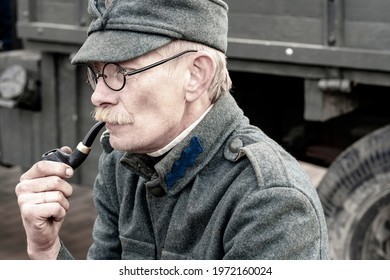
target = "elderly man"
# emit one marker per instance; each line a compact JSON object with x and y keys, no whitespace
{"x":183,"y":174}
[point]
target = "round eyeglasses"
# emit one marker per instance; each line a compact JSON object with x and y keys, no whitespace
{"x":114,"y":76}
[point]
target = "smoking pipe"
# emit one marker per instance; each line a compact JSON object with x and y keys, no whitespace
{"x":80,"y":153}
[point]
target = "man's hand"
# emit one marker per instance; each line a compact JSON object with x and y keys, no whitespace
{"x":42,"y":197}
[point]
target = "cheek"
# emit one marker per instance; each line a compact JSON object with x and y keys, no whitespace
{"x":154,"y":100}
{"x":157,"y":96}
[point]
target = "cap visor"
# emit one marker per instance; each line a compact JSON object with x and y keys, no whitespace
{"x":117,"y":45}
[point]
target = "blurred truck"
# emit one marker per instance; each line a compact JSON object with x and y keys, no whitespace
{"x":313,"y":74}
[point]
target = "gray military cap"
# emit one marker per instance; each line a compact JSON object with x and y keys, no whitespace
{"x":125,"y":29}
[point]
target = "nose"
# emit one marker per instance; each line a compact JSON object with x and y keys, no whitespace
{"x":103,"y":95}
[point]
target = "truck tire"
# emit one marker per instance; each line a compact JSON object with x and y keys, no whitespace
{"x":355,"y":194}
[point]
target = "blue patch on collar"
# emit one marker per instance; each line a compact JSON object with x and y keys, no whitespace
{"x":186,"y":160}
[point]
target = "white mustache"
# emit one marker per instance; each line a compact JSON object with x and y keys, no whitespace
{"x":107,"y":115}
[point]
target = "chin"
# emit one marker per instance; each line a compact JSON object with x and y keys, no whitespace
{"x":120,"y":146}
{"x":116,"y":144}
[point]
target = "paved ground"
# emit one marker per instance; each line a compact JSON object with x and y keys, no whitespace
{"x":76,"y":231}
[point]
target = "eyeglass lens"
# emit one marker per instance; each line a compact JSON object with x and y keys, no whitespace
{"x":112,"y":74}
{"x":91,"y":76}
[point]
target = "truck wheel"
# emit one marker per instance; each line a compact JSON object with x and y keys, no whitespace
{"x":355,"y":194}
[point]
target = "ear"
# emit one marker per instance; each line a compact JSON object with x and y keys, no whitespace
{"x":202,"y":71}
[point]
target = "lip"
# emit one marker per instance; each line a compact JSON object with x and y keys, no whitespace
{"x":111,"y":126}
{"x":114,"y":126}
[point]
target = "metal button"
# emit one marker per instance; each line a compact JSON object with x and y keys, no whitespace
{"x":235,"y":145}
{"x":157,"y":191}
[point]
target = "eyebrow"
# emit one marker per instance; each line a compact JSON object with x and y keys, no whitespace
{"x":95,"y":65}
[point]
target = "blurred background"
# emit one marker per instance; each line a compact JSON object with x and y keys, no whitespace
{"x":36,"y":80}
{"x":312,"y":74}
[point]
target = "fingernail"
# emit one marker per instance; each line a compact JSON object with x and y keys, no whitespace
{"x":69,"y":172}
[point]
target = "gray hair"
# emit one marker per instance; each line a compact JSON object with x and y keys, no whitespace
{"x":221,"y":83}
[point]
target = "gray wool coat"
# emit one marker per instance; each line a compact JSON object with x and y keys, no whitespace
{"x":227,"y":191}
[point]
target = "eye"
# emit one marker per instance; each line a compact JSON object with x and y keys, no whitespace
{"x":128,"y":73}
{"x":118,"y":72}
{"x":128,"y":68}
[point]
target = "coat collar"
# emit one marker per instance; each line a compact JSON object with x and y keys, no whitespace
{"x":193,"y":153}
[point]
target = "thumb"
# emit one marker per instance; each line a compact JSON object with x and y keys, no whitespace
{"x":66,"y":149}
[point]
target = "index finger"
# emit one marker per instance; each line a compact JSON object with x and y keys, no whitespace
{"x":46,"y":168}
